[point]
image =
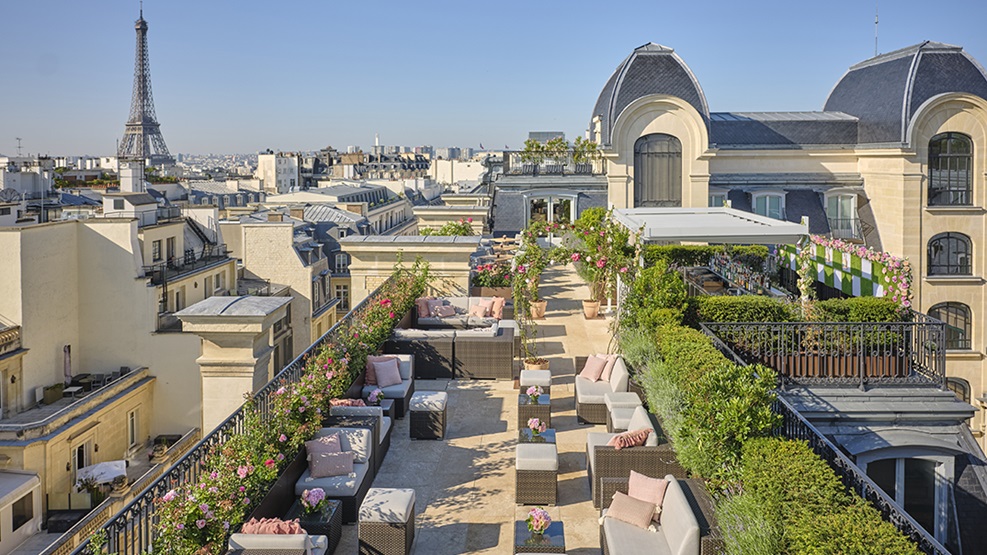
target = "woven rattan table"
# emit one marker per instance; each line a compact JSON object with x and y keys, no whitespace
{"x":528,"y":408}
{"x":552,"y":541}
{"x":329,"y":523}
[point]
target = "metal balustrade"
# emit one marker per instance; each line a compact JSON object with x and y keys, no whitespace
{"x":552,"y":164}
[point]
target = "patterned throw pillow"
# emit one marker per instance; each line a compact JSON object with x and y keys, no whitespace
{"x":444,"y":311}
{"x":632,"y":511}
{"x":647,"y":489}
{"x":324,"y":465}
{"x":593,"y":368}
{"x":636,"y":438}
{"x":271,"y":526}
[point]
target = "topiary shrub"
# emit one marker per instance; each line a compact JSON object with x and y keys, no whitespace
{"x":860,"y":309}
{"x":687,"y":354}
{"x":856,"y":528}
{"x":747,"y":308}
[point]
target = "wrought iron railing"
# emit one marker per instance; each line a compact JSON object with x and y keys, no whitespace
{"x":845,"y":228}
{"x":849,"y":353}
{"x":187,"y":263}
{"x":561,"y":163}
{"x":131,"y":531}
{"x":795,"y":426}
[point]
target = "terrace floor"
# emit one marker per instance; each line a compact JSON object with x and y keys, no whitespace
{"x":464,"y":485}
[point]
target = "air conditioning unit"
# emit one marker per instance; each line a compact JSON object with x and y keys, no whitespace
{"x":39,"y":395}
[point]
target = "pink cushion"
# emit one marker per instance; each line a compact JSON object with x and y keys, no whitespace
{"x":324,"y":465}
{"x":434,"y":304}
{"x":632,"y":511}
{"x":478,"y":311}
{"x":325,"y":444}
{"x":593,"y":368}
{"x":497,"y":310}
{"x":388,"y":373}
{"x":488,"y":306}
{"x":444,"y":311}
{"x":646,"y":488}
{"x":611,"y":360}
{"x":347,"y":403}
{"x":371,"y":377}
{"x":271,"y":526}
{"x":636,"y":438}
{"x":421,"y":304}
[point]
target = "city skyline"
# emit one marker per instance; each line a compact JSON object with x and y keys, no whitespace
{"x":244,"y":80}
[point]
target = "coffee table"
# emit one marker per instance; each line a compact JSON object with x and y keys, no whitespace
{"x":528,"y":408}
{"x":552,"y":541}
{"x":525,"y":436}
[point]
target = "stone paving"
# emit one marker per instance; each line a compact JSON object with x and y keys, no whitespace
{"x":465,"y":483}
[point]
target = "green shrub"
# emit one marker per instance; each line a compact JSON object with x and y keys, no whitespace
{"x":857,"y":528}
{"x":636,"y":346}
{"x":752,"y":256}
{"x":724,"y":409}
{"x":859,"y":309}
{"x":656,"y":297}
{"x":680,"y":255}
{"x":747,"y":308}
{"x":687,"y":354}
{"x":746,"y":529}
{"x":665,"y":398}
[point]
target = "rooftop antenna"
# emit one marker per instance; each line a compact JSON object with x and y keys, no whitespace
{"x":18,"y":146}
{"x":142,"y":9}
{"x":876,"y":5}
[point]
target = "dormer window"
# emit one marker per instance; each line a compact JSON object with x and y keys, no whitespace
{"x":771,"y":205}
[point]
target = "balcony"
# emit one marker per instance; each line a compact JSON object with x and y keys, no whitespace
{"x":191,"y":262}
{"x":840,"y":353}
{"x":562,"y":164}
{"x":846,"y":228}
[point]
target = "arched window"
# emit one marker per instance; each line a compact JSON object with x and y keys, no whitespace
{"x":950,"y":170}
{"x":960,"y":387}
{"x":949,"y":254}
{"x":957,"y":319}
{"x":658,"y":171}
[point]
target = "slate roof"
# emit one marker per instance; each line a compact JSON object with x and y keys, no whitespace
{"x":137,"y":199}
{"x":327,"y":213}
{"x":782,"y":129}
{"x":650,"y":69}
{"x":885,"y":92}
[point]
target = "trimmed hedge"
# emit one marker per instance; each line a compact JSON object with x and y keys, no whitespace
{"x":748,"y":308}
{"x":860,"y":309}
{"x":687,"y":354}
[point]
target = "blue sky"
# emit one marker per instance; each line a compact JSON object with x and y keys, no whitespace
{"x":245,"y":75}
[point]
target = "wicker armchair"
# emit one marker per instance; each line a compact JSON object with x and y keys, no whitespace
{"x":655,"y":458}
{"x":401,"y":393}
{"x":478,"y":354}
{"x":590,"y":407}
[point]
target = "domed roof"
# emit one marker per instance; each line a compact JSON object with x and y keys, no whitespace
{"x":885,"y":92}
{"x":650,"y":69}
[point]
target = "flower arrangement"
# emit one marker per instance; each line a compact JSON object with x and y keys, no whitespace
{"x":536,"y":426}
{"x":196,"y":517}
{"x":492,"y":275}
{"x":314,"y":500}
{"x":375,"y":397}
{"x":898,"y":271}
{"x":534,"y":392}
{"x":538,"y":520}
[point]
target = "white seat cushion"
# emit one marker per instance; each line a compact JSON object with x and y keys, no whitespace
{"x":537,"y":456}
{"x":594,"y":440}
{"x":316,"y":545}
{"x":396,"y":391}
{"x":385,"y":428}
{"x":429,"y":401}
{"x":621,"y":418}
{"x":621,"y":399}
{"x":627,"y":539}
{"x":334,"y":486}
{"x":536,"y":377}
{"x":388,"y":505}
{"x":591,"y":392}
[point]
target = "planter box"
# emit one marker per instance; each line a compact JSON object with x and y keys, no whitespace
{"x":818,"y":365}
{"x":505,"y":292}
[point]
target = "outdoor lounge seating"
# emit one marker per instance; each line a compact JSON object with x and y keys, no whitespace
{"x":536,"y":471}
{"x":349,"y":488}
{"x":384,"y":428}
{"x":401,"y":393}
{"x":654,"y":458}
{"x":485,"y":353}
{"x":677,"y":533}
{"x":428,"y":415}
{"x":590,"y":403}
{"x":431,"y":349}
{"x":620,"y":408}
{"x":282,"y":544}
{"x":387,"y":522}
{"x":461,"y":320}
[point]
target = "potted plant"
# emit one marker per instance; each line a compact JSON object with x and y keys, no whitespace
{"x":583,"y":151}
{"x":601,"y":253}
{"x":492,"y":280}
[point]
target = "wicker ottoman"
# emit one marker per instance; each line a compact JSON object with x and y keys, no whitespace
{"x":428,"y":415}
{"x":387,"y":522}
{"x":536,"y":470}
{"x":541,"y":378}
{"x":620,"y":406}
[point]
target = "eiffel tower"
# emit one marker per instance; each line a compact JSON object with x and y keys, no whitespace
{"x":142,"y":138}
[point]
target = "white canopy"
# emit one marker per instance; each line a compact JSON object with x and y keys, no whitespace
{"x":709,"y":225}
{"x":102,"y":473}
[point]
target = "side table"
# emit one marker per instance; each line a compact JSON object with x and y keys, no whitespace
{"x":525,"y":436}
{"x":552,"y":541}
{"x":329,"y":523}
{"x":528,"y":408}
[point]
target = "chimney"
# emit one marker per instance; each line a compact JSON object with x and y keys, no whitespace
{"x":298,"y":213}
{"x":275,"y":217}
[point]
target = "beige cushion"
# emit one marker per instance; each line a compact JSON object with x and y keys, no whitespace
{"x":646,"y":488}
{"x":497,"y":310}
{"x":608,"y":369}
{"x":630,"y":510}
{"x":247,"y":542}
{"x":678,"y":522}
{"x":619,"y":376}
{"x":593,"y":368}
{"x":357,"y":440}
{"x":429,"y":401}
{"x":335,"y":486}
{"x":372,"y":361}
{"x":322,"y":465}
{"x":478,"y":311}
{"x":444,"y":311}
{"x":394,"y":505}
{"x":536,"y":377}
{"x":324,"y":444}
{"x":536,"y":456}
{"x":388,"y":372}
{"x":588,"y":391}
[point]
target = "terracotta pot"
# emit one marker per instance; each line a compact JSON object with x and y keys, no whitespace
{"x":536,"y":366}
{"x":591,"y":309}
{"x":538,"y":309}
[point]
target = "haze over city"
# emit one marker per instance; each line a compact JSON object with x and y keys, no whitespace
{"x":250,"y":75}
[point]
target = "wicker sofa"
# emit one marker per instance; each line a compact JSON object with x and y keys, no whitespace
{"x":590,"y":405}
{"x":461,"y":320}
{"x":677,"y":533}
{"x":431,"y":349}
{"x":654,"y":458}
{"x":401,"y":393}
{"x":383,"y":430}
{"x":352,"y":488}
{"x":485,"y":353}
